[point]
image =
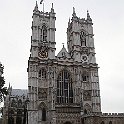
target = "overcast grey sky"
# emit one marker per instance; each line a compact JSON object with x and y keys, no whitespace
{"x":108,"y":19}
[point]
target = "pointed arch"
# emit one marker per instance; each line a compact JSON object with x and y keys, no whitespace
{"x":102,"y":122}
{"x":42,"y":111}
{"x":19,"y":112}
{"x":11,"y":120}
{"x":85,"y":76}
{"x":42,"y":73}
{"x":19,"y":103}
{"x":43,"y":114}
{"x":110,"y":122}
{"x":18,"y":120}
{"x":42,"y":105}
{"x":64,"y":87}
{"x":43,"y":36}
{"x":87,"y":109}
{"x":11,"y":112}
{"x":67,"y":122}
{"x":13,"y":103}
{"x":83,"y":38}
{"x":10,"y":117}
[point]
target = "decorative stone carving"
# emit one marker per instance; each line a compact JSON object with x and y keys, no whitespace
{"x":87,"y":95}
{"x":42,"y":93}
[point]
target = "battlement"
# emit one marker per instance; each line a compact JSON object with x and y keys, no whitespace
{"x":45,"y":14}
{"x":112,"y":115}
{"x":105,"y":114}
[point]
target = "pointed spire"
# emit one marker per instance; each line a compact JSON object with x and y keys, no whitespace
{"x":69,"y":19}
{"x":36,"y":7}
{"x":88,"y":16}
{"x":52,"y":10}
{"x":63,"y":45}
{"x":9,"y":84}
{"x":9,"y":89}
{"x":52,"y":5}
{"x":74,"y":13}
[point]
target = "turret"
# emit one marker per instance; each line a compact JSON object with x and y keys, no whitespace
{"x":43,"y":34}
{"x":36,"y":7}
{"x":80,"y":39}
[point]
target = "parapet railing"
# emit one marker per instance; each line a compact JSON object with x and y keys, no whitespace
{"x":104,"y":114}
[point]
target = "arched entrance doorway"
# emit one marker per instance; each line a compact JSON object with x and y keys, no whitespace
{"x":67,"y":122}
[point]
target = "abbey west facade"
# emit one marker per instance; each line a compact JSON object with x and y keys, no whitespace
{"x":62,"y":89}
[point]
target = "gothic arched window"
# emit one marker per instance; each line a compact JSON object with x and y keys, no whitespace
{"x":64,"y":88}
{"x":10,"y":117}
{"x":85,"y":76}
{"x":39,"y":74}
{"x":42,"y":73}
{"x":19,"y":112}
{"x":83,"y":38}
{"x":43,"y":114}
{"x":102,"y":122}
{"x":20,"y":103}
{"x":11,"y":120}
{"x":13,"y":104}
{"x":110,"y":122}
{"x":18,"y":120}
{"x":44,"y":33}
{"x":85,"y":111}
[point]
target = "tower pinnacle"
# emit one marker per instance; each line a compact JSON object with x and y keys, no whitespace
{"x":74,"y":13}
{"x":52,"y":10}
{"x":36,"y":7}
{"x":88,"y":17}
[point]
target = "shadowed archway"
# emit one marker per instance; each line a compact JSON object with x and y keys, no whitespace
{"x":67,"y":122}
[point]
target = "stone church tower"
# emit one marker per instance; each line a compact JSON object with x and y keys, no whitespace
{"x":62,"y":89}
{"x":65,"y":87}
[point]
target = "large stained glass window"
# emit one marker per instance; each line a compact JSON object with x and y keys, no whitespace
{"x":64,"y":87}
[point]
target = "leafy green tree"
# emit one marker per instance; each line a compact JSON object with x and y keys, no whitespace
{"x":3,"y":90}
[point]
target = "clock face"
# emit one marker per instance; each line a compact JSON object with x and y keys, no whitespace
{"x":84,"y":58}
{"x":43,"y":52}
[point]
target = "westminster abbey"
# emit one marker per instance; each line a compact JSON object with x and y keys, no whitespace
{"x":62,"y":88}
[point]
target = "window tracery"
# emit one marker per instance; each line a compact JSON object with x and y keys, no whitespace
{"x":64,"y":88}
{"x":13,"y":104}
{"x":83,"y":38}
{"x":42,"y":74}
{"x":87,"y":109}
{"x":42,"y":93}
{"x":43,"y":36}
{"x":18,"y":120}
{"x":19,"y":112}
{"x":87,"y":95}
{"x":20,"y":103}
{"x":43,"y":114}
{"x":85,"y":76}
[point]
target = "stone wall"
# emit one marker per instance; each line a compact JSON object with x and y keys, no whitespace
{"x":103,"y":118}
